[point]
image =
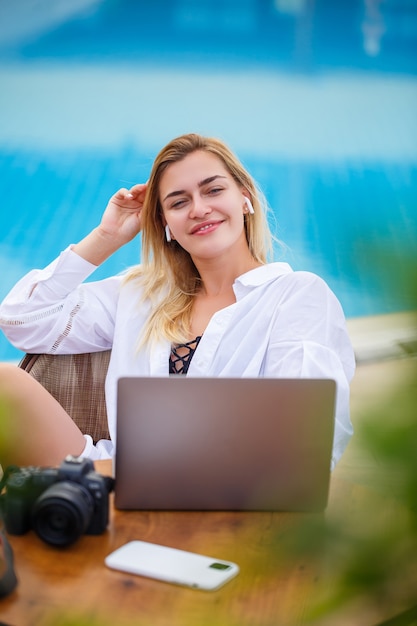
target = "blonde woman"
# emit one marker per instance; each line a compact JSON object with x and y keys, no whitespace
{"x":204,"y":301}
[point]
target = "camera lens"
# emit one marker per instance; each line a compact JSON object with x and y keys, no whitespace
{"x":62,"y":513}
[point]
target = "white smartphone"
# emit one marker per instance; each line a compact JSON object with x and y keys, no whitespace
{"x":172,"y":565}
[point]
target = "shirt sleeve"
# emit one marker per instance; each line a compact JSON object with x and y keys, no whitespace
{"x":52,"y":311}
{"x":310,"y":340}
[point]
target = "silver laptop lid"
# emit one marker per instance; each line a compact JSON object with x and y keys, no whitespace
{"x":187,"y":443}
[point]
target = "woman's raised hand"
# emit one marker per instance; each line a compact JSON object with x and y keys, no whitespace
{"x":122,"y":218}
{"x":120,"y":223}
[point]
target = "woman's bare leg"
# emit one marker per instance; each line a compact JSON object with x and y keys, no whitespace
{"x":34,"y":428}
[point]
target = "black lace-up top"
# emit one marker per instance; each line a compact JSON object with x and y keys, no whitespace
{"x":181,"y":355}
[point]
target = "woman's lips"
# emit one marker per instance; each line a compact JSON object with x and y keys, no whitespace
{"x":207,"y":227}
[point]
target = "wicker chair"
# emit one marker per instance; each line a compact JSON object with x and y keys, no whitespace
{"x":77,"y":382}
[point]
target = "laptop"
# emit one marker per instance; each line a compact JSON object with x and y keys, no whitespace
{"x":242,"y":444}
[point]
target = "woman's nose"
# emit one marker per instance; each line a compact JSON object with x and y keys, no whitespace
{"x":199,"y":207}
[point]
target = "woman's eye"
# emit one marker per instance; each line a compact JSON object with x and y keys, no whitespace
{"x":214,"y":190}
{"x":177,"y":204}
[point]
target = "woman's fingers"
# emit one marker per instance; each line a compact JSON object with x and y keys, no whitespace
{"x":135,"y":194}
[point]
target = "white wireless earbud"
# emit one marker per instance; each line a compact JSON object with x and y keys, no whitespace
{"x":167,"y":233}
{"x":249,"y":205}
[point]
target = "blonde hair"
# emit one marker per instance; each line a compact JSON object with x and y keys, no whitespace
{"x":167,"y":274}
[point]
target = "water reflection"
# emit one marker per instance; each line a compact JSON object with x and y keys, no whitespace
{"x":318,"y":98}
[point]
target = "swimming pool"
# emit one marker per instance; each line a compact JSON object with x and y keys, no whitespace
{"x":326,"y":124}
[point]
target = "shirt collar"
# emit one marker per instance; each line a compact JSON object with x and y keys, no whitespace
{"x":259,"y":276}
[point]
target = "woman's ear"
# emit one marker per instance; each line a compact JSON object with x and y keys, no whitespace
{"x":249,"y":205}
{"x":167,"y":233}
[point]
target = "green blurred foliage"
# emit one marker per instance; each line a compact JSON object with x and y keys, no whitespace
{"x":370,"y":559}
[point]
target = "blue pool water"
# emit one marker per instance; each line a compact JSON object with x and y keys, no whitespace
{"x":319,"y":101}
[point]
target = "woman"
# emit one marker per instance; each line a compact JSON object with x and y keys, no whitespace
{"x":204,"y":302}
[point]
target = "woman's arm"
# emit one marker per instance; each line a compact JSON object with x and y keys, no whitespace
{"x":121,"y":222}
{"x":51,"y":310}
{"x":310,"y":340}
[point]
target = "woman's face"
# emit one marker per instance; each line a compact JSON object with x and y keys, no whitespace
{"x":203,"y":206}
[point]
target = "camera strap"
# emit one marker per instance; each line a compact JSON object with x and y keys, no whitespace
{"x":7,"y":472}
{"x":8,"y":579}
{"x":3,"y":481}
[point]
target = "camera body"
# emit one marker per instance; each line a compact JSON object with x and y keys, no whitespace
{"x":60,"y":504}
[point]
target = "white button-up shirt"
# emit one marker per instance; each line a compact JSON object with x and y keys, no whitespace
{"x":283,"y":324}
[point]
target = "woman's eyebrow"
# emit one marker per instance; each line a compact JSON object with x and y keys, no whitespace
{"x":210,"y":179}
{"x":206,"y":181}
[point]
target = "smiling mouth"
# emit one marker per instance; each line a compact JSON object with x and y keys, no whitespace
{"x":205,"y":228}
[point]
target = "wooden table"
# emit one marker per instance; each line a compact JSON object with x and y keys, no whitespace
{"x":56,"y":586}
{"x":73,"y":587}
{"x":75,"y":582}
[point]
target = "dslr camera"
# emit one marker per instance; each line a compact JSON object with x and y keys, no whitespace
{"x":59,"y":504}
